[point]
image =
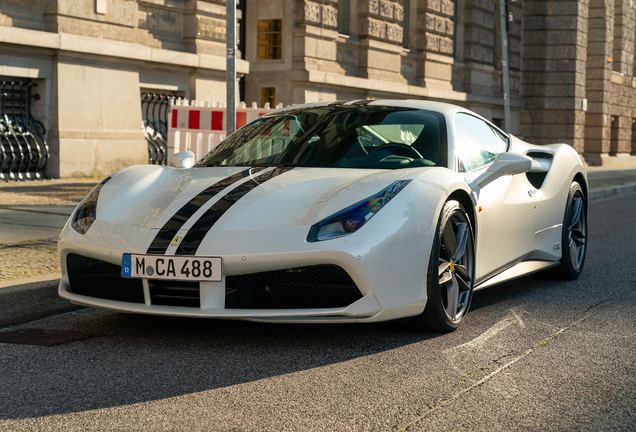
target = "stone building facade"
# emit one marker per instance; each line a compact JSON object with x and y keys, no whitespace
{"x":92,"y":59}
{"x":571,"y":64}
{"x":578,"y":81}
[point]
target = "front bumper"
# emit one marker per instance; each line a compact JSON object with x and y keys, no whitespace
{"x":318,"y":292}
{"x":363,"y":310}
{"x":211,"y":296}
{"x":389,"y":288}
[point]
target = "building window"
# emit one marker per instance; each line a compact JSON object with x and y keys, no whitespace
{"x":343,"y":16}
{"x":619,"y":19}
{"x":405,"y":22}
{"x":270,"y":39}
{"x":268,"y":94}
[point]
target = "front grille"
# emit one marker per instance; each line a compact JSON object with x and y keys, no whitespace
{"x":95,"y":278}
{"x":320,"y":286}
{"x":174,"y":293}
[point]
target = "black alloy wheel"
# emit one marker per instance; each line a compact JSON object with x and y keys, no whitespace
{"x":451,"y":272}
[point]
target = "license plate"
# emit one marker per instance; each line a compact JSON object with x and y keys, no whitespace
{"x":172,"y":267}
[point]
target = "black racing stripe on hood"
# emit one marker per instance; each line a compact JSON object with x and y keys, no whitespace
{"x":171,"y":228}
{"x":191,"y":241}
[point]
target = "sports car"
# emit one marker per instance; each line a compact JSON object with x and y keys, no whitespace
{"x":331,"y":212}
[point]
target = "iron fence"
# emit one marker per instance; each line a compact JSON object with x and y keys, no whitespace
{"x":23,"y":149}
{"x":154,"y":123}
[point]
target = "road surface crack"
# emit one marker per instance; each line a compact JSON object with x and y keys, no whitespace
{"x":525,"y":354}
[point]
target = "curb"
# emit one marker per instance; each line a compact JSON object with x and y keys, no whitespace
{"x":610,"y":191}
{"x":31,"y":300}
{"x":36,"y":298}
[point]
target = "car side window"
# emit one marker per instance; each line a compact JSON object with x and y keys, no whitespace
{"x":477,"y":143}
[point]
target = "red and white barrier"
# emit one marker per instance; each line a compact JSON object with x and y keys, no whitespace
{"x":200,"y":126}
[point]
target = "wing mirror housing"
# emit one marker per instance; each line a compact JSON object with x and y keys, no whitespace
{"x":504,"y":164}
{"x":183,"y":159}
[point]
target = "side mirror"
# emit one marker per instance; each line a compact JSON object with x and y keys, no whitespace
{"x":504,"y":164}
{"x":182,"y":159}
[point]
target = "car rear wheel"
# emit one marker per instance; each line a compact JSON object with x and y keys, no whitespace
{"x":573,"y":237}
{"x":451,"y":271}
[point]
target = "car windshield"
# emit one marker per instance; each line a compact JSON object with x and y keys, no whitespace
{"x":337,"y":136}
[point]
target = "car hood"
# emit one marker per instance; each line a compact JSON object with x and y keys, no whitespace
{"x":149,"y":196}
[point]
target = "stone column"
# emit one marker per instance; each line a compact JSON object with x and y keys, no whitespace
{"x":622,"y":98}
{"x":479,"y":33}
{"x":515,"y":40}
{"x":599,"y":80}
{"x":204,"y":26}
{"x":436,"y":30}
{"x":380,"y":28}
{"x":95,"y":123}
{"x":315,"y":47}
{"x":554,"y":71}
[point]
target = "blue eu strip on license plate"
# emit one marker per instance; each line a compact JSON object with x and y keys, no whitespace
{"x":126,"y":266}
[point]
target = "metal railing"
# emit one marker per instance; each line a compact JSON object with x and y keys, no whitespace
{"x":23,"y":150}
{"x":154,"y":123}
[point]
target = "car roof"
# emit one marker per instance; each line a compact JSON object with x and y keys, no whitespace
{"x":441,"y":107}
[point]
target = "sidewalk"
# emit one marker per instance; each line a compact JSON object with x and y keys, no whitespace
{"x":29,"y":269}
{"x":28,"y":245}
{"x":45,"y":192}
{"x":604,"y":182}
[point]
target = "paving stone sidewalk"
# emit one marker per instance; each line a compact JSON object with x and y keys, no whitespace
{"x":27,"y":259}
{"x":38,"y":256}
{"x":45,"y":192}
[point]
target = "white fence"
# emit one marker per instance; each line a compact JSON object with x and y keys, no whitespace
{"x":200,"y":126}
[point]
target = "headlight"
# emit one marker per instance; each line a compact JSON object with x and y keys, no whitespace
{"x":85,"y":213}
{"x":353,"y":218}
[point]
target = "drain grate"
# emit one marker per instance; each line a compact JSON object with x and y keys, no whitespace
{"x":42,"y":337}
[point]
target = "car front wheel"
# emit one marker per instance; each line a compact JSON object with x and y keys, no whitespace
{"x":451,"y":271}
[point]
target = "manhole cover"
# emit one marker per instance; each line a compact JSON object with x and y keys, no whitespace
{"x":42,"y":337}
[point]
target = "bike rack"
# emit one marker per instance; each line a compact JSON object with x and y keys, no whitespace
{"x":23,"y":149}
{"x":154,"y":123}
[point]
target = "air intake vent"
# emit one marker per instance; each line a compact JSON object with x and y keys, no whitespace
{"x":174,"y":293}
{"x":320,"y":286}
{"x":536,"y":179}
{"x":95,"y":278}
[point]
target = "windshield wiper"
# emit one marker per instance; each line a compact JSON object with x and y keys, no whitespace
{"x":285,"y":165}
{"x":253,"y":165}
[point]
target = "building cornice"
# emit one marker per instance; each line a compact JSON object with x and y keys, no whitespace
{"x":69,"y":43}
{"x":370,"y":85}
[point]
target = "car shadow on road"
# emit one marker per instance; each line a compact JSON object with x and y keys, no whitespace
{"x":507,"y":291}
{"x":146,"y":358}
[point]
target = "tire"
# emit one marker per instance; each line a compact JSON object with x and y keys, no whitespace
{"x":450,"y":273}
{"x":573,"y":237}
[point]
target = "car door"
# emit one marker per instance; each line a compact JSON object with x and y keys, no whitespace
{"x":508,"y":211}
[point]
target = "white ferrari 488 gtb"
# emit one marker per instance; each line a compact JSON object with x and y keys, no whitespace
{"x":358,"y":211}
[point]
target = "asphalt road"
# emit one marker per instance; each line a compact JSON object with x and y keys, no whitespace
{"x":532,"y":355}
{"x":20,"y":223}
